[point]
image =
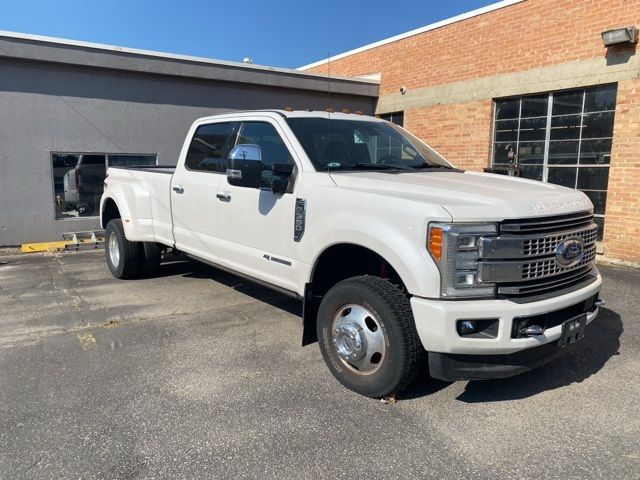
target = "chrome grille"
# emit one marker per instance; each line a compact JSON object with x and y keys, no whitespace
{"x":535,"y":247}
{"x":549,"y":266}
{"x":521,"y":260}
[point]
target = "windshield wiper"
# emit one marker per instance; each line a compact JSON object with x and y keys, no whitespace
{"x":430,"y":165}
{"x":382,"y":166}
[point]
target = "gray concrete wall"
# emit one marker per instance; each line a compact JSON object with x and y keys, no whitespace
{"x":54,"y":107}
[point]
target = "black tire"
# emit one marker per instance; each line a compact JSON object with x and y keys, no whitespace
{"x":404,"y":354}
{"x":150,"y":258}
{"x":130,"y":253}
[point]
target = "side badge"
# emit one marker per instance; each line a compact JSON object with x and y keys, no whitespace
{"x":299,"y":219}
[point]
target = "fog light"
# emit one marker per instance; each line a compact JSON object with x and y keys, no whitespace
{"x":467,"y":327}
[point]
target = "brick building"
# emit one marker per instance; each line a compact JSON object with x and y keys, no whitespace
{"x":530,"y":79}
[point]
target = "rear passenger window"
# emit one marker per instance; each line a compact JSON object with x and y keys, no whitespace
{"x":209,"y":148}
{"x":273,"y":149}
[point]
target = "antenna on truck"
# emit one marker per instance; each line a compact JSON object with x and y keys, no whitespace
{"x":329,"y":109}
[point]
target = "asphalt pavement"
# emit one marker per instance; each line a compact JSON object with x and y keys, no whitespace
{"x":199,"y":374}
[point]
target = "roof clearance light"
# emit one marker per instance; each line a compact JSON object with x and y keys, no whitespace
{"x":620,"y":36}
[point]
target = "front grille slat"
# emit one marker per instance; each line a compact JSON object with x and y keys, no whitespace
{"x":549,"y":267}
{"x":521,"y":261}
{"x":558,"y":223}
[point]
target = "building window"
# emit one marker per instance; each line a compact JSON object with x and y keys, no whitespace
{"x":78,"y":179}
{"x":560,"y":137}
{"x":394,"y":117}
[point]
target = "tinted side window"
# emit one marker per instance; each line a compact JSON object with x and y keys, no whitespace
{"x":274,"y":151}
{"x":209,"y":147}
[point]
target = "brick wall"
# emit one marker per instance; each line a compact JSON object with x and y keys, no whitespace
{"x":534,"y":33}
{"x":461,"y":132}
{"x":622,"y":229}
{"x":531,"y":34}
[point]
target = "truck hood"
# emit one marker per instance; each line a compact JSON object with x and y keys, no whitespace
{"x":470,"y":196}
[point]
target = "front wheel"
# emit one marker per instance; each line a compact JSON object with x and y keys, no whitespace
{"x":367,"y":336}
{"x":123,"y":256}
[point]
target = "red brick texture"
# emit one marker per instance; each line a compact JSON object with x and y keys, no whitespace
{"x":622,"y":229}
{"x":531,"y":34}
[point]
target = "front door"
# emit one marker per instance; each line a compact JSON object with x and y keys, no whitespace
{"x":257,"y":224}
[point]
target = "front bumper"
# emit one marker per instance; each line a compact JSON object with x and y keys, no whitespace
{"x":436,"y":326}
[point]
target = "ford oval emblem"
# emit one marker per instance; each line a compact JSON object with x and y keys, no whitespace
{"x":569,"y":252}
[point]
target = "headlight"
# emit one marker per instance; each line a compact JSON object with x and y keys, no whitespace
{"x":456,"y":250}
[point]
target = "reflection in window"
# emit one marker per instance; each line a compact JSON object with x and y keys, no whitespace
{"x":272,"y":147}
{"x":560,"y":137}
{"x":78,"y":180}
{"x":209,"y":146}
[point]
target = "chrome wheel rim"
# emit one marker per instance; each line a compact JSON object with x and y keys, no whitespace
{"x":114,"y":251}
{"x":359,"y":339}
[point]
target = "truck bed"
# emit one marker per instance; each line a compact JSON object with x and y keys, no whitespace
{"x":147,"y":197}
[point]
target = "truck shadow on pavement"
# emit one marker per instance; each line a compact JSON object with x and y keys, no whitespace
{"x":192,"y":269}
{"x":585,"y":358}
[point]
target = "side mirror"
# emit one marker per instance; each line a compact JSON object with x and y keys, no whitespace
{"x":244,"y":166}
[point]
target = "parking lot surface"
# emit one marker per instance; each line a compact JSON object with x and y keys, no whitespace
{"x":198,"y":374}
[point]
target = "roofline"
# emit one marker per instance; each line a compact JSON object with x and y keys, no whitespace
{"x":170,"y":56}
{"x":417,"y":31}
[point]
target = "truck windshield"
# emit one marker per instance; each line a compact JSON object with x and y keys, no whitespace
{"x":361,"y":144}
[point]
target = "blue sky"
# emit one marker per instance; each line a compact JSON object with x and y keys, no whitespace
{"x":272,"y":32}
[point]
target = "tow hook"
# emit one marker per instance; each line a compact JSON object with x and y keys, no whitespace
{"x":532,"y":330}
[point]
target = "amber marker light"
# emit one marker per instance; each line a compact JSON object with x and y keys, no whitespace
{"x":435,"y":242}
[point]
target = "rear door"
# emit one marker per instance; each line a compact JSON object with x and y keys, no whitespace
{"x":256,"y":232}
{"x":195,"y":183}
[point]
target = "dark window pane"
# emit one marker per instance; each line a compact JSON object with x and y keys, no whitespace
{"x":506,"y":130}
{"x":595,"y":152}
{"x":531,"y":152}
{"x":600,"y":98}
{"x":78,"y":182}
{"x":593,"y":178}
{"x":600,"y":222}
{"x":273,"y":149}
{"x":535,"y":106}
{"x":563,"y":176}
{"x":599,"y":200}
{"x":563,"y":152}
{"x":503,"y":151}
{"x":567,"y":102}
{"x":533,"y":129}
{"x":507,"y":108}
{"x":597,"y":125}
{"x":531,"y":171}
{"x":563,"y":128}
{"x":395,"y":117}
{"x":131,"y":160}
{"x":209,"y":147}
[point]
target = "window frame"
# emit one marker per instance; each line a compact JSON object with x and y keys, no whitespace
{"x":545,"y":165}
{"x":106,"y":155}
{"x":389,"y":117}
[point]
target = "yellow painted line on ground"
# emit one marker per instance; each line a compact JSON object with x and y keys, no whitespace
{"x":52,"y":246}
{"x":87,"y":341}
{"x":44,"y":246}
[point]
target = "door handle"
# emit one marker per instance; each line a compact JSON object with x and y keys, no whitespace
{"x":223,"y":197}
{"x":178,"y":189}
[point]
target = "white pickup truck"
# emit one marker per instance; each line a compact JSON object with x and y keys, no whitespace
{"x":397,"y":256}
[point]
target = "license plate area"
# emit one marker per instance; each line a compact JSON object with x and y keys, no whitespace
{"x":573,"y":330}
